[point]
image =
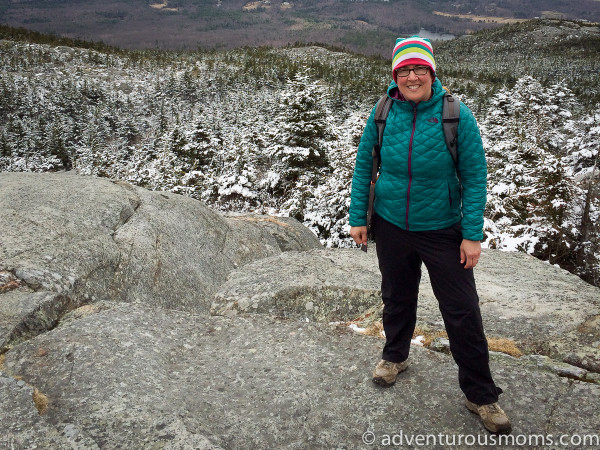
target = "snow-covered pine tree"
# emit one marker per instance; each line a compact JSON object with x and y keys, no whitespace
{"x":302,"y":126}
{"x":530,"y":191}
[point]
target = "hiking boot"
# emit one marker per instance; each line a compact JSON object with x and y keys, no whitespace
{"x":385,"y":372}
{"x":493,"y":417}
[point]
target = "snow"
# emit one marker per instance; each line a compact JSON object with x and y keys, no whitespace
{"x":357,"y":329}
{"x":515,"y":244}
{"x":418,"y":341}
{"x":288,"y":148}
{"x":501,"y":189}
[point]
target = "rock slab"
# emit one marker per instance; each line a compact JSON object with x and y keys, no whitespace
{"x":177,"y":380}
{"x":543,"y":308}
{"x":105,"y":291}
{"x":77,"y":240}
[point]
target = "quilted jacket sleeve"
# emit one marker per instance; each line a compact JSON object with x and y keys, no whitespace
{"x":361,"y":180}
{"x":472,"y":169}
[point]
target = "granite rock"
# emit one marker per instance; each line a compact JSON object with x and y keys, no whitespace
{"x":542,"y":308}
{"x":321,"y":284}
{"x":70,"y":240}
{"x":105,"y":294}
{"x":140,"y":377}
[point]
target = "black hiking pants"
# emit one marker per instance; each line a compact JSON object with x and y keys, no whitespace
{"x":400,"y":254}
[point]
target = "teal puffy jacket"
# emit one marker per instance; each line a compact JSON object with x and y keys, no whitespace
{"x":418,"y":188}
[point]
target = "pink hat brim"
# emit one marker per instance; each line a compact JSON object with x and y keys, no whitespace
{"x":415,"y":61}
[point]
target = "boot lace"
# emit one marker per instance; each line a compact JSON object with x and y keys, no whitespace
{"x":492,"y":408}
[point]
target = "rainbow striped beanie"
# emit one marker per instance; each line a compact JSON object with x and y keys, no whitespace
{"x":412,"y":50}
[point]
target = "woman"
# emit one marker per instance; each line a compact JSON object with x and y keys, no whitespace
{"x":427,"y":209}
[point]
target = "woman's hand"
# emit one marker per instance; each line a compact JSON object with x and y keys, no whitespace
{"x":359,"y":234}
{"x":470,"y":251}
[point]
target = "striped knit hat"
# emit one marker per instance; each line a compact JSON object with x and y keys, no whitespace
{"x":412,"y":50}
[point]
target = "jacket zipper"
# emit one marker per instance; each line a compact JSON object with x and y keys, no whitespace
{"x":410,"y":145}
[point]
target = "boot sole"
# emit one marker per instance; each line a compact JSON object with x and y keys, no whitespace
{"x":500,"y":431}
{"x":381,"y":382}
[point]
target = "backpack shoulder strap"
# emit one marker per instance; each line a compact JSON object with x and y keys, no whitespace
{"x":450,"y":119}
{"x":382,"y":110}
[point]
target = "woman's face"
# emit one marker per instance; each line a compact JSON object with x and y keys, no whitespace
{"x":414,"y":87}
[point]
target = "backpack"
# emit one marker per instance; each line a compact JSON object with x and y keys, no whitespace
{"x":450,"y":119}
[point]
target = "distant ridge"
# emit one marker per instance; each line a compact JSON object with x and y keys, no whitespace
{"x":361,"y":26}
{"x":36,"y":37}
{"x":549,"y":49}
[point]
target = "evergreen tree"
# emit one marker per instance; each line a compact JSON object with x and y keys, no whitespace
{"x":302,"y":126}
{"x":531,"y":193}
{"x":56,"y":146}
{"x":5,"y":147}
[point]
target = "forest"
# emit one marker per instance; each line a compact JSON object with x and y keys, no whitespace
{"x":361,"y":26}
{"x":275,"y":130}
